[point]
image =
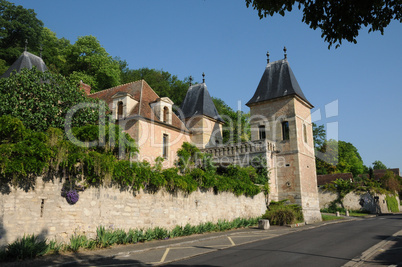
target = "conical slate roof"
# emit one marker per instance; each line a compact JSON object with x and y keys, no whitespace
{"x":26,"y":60}
{"x":199,"y":102}
{"x":277,"y":81}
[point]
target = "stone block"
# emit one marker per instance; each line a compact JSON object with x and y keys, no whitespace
{"x":263,"y":224}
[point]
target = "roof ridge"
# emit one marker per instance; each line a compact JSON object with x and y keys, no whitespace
{"x":104,"y":90}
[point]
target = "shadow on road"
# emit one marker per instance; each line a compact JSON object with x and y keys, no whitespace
{"x":75,"y":259}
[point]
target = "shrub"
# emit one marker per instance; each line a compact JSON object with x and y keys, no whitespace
{"x":281,"y":214}
{"x":27,"y":247}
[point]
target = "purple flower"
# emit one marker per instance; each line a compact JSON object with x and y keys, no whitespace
{"x":72,"y":197}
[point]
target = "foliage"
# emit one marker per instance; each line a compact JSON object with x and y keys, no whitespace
{"x":87,"y":56}
{"x":237,"y":127}
{"x":27,"y":247}
{"x":17,"y":25}
{"x":42,"y":100}
{"x":319,"y":135}
{"x":337,"y":20}
{"x":339,"y":157}
{"x":378,"y":165}
{"x":278,"y":213}
{"x":187,"y":156}
{"x":391,"y":182}
{"x":392,"y":203}
{"x":55,"y":51}
{"x":341,"y":187}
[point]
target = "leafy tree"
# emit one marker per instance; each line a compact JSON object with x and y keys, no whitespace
{"x":338,"y":20}
{"x":17,"y":24}
{"x":378,"y":165}
{"x":162,"y":82}
{"x":237,"y":126}
{"x":42,"y":100}
{"x":89,"y":57}
{"x":391,"y":182}
{"x":319,"y":135}
{"x":55,"y":51}
{"x":349,"y":159}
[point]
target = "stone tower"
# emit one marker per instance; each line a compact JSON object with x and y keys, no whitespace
{"x":280,"y":112}
{"x":201,"y":117}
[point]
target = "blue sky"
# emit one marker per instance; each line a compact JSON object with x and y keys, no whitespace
{"x":228,"y":42}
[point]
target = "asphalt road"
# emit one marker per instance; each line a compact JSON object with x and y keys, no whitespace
{"x":332,"y":245}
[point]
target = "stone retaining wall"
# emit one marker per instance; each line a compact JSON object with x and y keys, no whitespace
{"x":355,"y":201}
{"x":44,"y":212}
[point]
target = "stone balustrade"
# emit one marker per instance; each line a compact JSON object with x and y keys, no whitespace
{"x":259,"y":146}
{"x":241,"y":153}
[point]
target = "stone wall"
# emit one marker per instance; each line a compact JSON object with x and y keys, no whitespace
{"x":44,"y":212}
{"x":355,"y":201}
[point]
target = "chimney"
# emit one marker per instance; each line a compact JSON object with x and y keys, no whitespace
{"x":85,"y":87}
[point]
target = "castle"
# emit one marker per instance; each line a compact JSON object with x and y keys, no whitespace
{"x":281,"y":128}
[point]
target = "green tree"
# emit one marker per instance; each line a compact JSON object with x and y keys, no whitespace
{"x":337,"y":20}
{"x":17,"y":24}
{"x":55,"y":51}
{"x":349,"y":159}
{"x":319,"y":135}
{"x":87,"y":56}
{"x":42,"y":100}
{"x":237,"y":126}
{"x":378,"y":165}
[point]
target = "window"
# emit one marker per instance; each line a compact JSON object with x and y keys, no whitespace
{"x":285,"y":130}
{"x":165,"y":114}
{"x":261,"y":131}
{"x":165,"y":146}
{"x":119,"y":110}
{"x":305,"y":133}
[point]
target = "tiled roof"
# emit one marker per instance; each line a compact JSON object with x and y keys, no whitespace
{"x":144,"y":108}
{"x":327,"y":178}
{"x":26,"y":60}
{"x":380,"y":173}
{"x":277,"y":81}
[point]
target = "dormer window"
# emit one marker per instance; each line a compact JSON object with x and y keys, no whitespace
{"x":123,"y":104}
{"x":165,"y":114}
{"x":162,"y":109}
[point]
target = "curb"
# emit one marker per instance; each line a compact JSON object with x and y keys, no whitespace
{"x":366,"y":255}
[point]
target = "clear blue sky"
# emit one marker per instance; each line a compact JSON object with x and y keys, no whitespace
{"x":228,"y":42}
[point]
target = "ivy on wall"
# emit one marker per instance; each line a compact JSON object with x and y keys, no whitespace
{"x":26,"y":154}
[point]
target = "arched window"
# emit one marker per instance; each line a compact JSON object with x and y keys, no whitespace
{"x":119,"y":110}
{"x":165,"y":114}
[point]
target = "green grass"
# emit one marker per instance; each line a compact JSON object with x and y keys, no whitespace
{"x":327,"y":217}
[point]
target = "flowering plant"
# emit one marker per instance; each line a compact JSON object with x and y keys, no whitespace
{"x":72,"y":197}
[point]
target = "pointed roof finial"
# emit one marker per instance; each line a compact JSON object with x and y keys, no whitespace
{"x":284,"y":50}
{"x":26,"y":45}
{"x":41,"y":49}
{"x":191,"y":80}
{"x":203,"y":77}
{"x":267,"y":57}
